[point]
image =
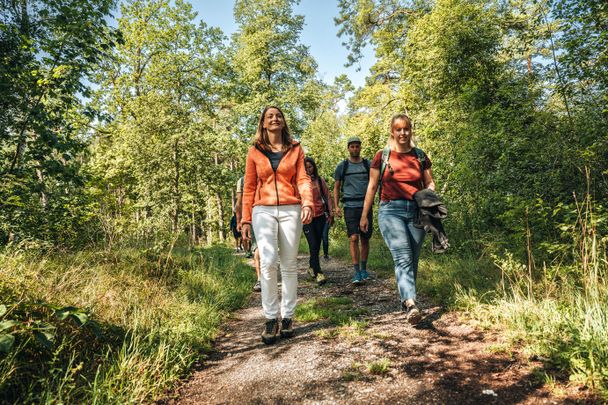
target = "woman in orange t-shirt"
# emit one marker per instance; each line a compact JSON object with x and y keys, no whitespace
{"x":404,"y":175}
{"x":277,"y":200}
{"x":322,"y":214}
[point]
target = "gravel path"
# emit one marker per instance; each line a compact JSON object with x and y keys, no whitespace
{"x":386,"y":361}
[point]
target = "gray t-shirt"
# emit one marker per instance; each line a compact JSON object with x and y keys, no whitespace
{"x":355,"y":183}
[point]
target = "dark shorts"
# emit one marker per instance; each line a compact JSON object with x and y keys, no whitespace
{"x":352,"y":217}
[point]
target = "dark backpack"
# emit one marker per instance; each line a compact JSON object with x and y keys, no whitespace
{"x":386,"y":154}
{"x":344,"y":174}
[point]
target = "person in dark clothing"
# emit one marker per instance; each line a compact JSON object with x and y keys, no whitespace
{"x":401,"y":170}
{"x":238,"y":240}
{"x":322,"y":215}
{"x":325,"y":235}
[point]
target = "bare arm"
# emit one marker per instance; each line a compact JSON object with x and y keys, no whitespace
{"x":372,"y":187}
{"x":428,"y":179}
{"x":337,"y":210}
{"x":238,"y":208}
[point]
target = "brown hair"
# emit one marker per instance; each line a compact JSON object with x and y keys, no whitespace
{"x":261,"y":136}
{"x":405,"y":118}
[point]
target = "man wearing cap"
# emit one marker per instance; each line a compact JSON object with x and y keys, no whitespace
{"x":352,"y":176}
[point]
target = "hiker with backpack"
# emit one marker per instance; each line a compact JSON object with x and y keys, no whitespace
{"x":352,"y":176}
{"x":322,"y":216}
{"x":399,"y":171}
{"x":277,"y":200}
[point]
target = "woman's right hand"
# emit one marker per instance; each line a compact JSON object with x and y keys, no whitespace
{"x":246,"y":231}
{"x":363,"y":224}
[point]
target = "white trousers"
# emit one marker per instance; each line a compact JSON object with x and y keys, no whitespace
{"x":277,"y":232}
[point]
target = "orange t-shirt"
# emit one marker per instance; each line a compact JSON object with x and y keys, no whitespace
{"x":406,"y":177}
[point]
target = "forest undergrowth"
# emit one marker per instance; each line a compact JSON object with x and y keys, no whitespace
{"x":104,"y":327}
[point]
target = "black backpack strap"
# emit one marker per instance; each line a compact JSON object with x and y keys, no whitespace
{"x":366,"y":165}
{"x":324,"y":195}
{"x":386,"y":155}
{"x":343,"y":174}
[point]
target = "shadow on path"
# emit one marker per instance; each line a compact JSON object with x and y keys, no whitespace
{"x":440,"y":360}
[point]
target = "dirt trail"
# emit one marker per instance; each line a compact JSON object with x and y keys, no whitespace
{"x":440,"y":361}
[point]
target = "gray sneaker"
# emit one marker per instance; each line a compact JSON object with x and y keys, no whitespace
{"x":257,"y":287}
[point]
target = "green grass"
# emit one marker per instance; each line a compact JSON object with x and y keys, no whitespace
{"x":381,"y":366}
{"x":440,"y":276}
{"x":558,"y":312}
{"x":337,"y":311}
{"x":110,"y":327}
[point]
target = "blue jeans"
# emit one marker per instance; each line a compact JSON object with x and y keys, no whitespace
{"x":404,"y":240}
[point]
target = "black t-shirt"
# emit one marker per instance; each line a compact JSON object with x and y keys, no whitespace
{"x":275,"y":158}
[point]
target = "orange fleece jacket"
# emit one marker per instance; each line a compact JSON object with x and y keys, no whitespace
{"x":290,"y":185}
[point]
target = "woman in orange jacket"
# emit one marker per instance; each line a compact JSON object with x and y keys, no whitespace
{"x":277,"y":200}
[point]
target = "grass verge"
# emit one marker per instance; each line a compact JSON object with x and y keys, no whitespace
{"x":557,"y":312}
{"x":118,"y":327}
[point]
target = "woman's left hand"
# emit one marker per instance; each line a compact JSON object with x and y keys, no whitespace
{"x":306,"y":215}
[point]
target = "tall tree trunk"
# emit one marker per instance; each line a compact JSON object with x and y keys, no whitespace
{"x":176,"y":194}
{"x":220,"y":208}
{"x":209,"y":217}
{"x":193,"y":228}
{"x":43,"y":199}
{"x":232,"y":193}
{"x":24,"y":29}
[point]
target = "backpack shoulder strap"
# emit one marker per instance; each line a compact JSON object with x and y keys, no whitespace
{"x":242,"y":184}
{"x":343,"y":175}
{"x":386,"y":154}
{"x":366,"y":165}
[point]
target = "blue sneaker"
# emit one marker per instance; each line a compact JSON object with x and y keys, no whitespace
{"x":357,"y":278}
{"x":364,"y":275}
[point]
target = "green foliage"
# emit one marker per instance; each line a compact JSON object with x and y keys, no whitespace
{"x":48,"y":48}
{"x":336,"y":310}
{"x":381,"y":366}
{"x":101,"y":327}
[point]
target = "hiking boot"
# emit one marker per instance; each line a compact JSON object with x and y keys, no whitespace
{"x":287,"y":328}
{"x":257,"y":287}
{"x":321,"y":279}
{"x":364,"y":275}
{"x":357,"y":279}
{"x":412,"y":313}
{"x":271,"y":331}
{"x":326,"y":257}
{"x":248,"y":254}
{"x":311,"y":273}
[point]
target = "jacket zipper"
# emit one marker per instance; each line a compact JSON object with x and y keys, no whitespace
{"x":276,"y":187}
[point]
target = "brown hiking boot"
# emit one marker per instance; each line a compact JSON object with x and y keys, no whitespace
{"x":287,"y":328}
{"x":271,"y":331}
